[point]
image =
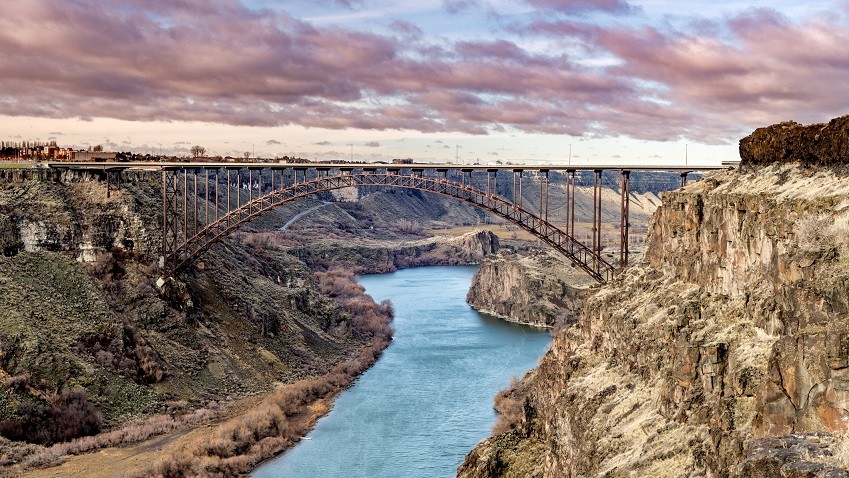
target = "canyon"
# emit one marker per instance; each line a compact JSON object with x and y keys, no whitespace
{"x":722,"y":352}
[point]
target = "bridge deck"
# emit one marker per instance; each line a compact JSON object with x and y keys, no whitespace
{"x":390,"y":167}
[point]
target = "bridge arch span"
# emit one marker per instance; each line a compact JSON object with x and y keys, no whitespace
{"x":179,"y":250}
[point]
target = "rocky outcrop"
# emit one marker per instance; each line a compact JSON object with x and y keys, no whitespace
{"x":733,"y":329}
{"x":538,"y":289}
{"x":817,"y":144}
{"x":369,"y":256}
{"x":78,"y":214}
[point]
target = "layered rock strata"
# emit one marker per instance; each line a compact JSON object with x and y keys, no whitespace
{"x":731,"y":332}
{"x":539,"y":289}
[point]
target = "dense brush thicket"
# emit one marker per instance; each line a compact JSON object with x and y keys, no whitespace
{"x":68,"y":416}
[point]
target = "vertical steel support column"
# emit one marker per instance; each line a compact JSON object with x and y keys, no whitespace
{"x":185,"y":206}
{"x":541,"y":213}
{"x":546,"y":196}
{"x":520,"y":187}
{"x":514,"y":189}
{"x":568,"y":206}
{"x":624,"y":223}
{"x":206,"y":201}
{"x":239,"y":193}
{"x":170,"y":224}
{"x":228,"y":198}
{"x":217,"y":179}
{"x":597,"y":217}
{"x":250,"y":190}
{"x":572,"y":210}
{"x":195,"y":202}
{"x":164,"y":219}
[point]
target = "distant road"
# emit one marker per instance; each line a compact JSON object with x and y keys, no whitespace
{"x":301,"y":214}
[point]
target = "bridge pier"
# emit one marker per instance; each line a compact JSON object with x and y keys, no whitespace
{"x":624,"y":218}
{"x":596,"y":229}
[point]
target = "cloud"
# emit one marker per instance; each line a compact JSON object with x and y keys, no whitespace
{"x":406,"y":29}
{"x":273,"y":142}
{"x":323,"y":143}
{"x":372,"y":144}
{"x":456,"y":6}
{"x":221,"y":62}
{"x":582,"y":6}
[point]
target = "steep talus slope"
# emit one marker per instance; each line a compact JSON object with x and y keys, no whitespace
{"x":733,"y":331}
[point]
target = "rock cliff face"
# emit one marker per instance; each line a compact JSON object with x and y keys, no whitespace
{"x":538,"y":289}
{"x":817,"y":144}
{"x":75,"y":212}
{"x":712,"y":355}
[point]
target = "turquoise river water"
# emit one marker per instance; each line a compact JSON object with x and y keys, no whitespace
{"x":428,"y":399}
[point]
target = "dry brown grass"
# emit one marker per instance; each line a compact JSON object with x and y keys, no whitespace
{"x":509,"y":403}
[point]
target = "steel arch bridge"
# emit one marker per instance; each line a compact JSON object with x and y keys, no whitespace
{"x":202,"y":202}
{"x":183,"y":243}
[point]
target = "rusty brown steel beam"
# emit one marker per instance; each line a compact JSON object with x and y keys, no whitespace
{"x":165,"y":217}
{"x":206,"y":196}
{"x":572,"y":201}
{"x":195,"y":201}
{"x":624,"y":218}
{"x":185,"y":205}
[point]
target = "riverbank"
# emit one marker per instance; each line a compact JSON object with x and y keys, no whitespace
{"x":234,"y":440}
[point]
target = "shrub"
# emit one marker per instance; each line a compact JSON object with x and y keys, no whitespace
{"x":509,"y":403}
{"x":813,"y":233}
{"x":69,"y":416}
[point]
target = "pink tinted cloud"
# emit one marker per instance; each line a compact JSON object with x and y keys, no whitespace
{"x":216,"y":61}
{"x":768,"y":69}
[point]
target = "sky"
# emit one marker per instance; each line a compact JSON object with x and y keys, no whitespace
{"x":539,"y":81}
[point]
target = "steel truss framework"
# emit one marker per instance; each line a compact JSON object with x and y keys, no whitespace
{"x":194,"y":217}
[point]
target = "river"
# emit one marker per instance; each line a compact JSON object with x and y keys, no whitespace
{"x":428,"y":399}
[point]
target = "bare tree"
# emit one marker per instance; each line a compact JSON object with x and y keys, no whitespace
{"x":247,"y":154}
{"x":98,"y":148}
{"x":198,"y":151}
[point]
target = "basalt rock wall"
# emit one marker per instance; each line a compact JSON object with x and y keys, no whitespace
{"x":537,"y":289}
{"x":725,"y":352}
{"x":78,"y":212}
{"x":817,"y":144}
